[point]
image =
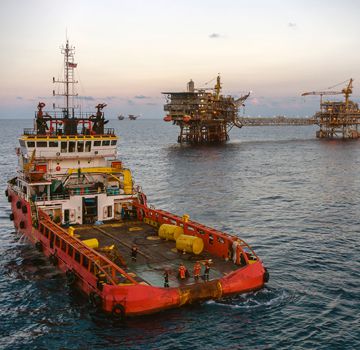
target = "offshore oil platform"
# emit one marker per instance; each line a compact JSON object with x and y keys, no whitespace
{"x":337,"y":118}
{"x":206,"y":116}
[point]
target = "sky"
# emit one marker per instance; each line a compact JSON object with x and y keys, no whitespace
{"x":128,"y":52}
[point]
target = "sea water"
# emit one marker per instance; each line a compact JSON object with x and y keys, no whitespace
{"x":292,"y":197}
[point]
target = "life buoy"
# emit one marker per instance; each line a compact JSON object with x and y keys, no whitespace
{"x":71,"y":277}
{"x":95,"y":300}
{"x":118,"y":312}
{"x":18,"y":204}
{"x":54,"y":259}
{"x":24,"y":209}
{"x":266,"y":276}
{"x":58,"y":168}
{"x":22,"y":224}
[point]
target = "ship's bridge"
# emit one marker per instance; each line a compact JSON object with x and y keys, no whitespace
{"x":65,"y":136}
{"x":69,"y":146}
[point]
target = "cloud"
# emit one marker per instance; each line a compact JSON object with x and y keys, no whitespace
{"x":141,"y":97}
{"x":86,"y":98}
{"x":215,"y":36}
{"x":292,"y":25}
{"x":109,"y":98}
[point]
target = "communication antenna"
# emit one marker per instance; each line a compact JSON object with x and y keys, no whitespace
{"x":69,"y":79}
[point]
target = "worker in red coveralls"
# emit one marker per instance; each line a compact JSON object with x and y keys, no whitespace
{"x":183,"y":272}
{"x":197,"y":270}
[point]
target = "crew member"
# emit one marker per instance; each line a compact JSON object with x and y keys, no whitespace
{"x":197,"y":270}
{"x":183,"y":272}
{"x":166,"y":279}
{"x":134,"y":251}
{"x":207,"y":270}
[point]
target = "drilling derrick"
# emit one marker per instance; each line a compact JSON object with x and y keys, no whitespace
{"x":337,"y":118}
{"x":203,"y":115}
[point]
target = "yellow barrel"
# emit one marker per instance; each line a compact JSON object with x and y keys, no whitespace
{"x":190,"y":244}
{"x":170,"y":232}
{"x":91,"y":243}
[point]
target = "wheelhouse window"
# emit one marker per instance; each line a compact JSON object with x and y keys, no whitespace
{"x":87,"y":146}
{"x":63,"y":146}
{"x":53,"y":144}
{"x":113,"y":142}
{"x":106,"y":143}
{"x":80,"y":146}
{"x":72,"y":146}
{"x":22,"y":143}
{"x":97,"y":143}
{"x":31,"y":144}
{"x":41,"y":144}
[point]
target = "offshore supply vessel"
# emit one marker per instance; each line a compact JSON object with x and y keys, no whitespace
{"x":77,"y":203}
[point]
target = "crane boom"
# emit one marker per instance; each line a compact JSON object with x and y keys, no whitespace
{"x":322,"y":93}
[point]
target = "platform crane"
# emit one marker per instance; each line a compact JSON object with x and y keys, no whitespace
{"x":347,"y":91}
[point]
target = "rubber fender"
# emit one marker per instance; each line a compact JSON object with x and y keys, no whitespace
{"x":71,"y":277}
{"x":38,"y":246}
{"x":24,"y":209}
{"x":6,"y":193}
{"x":18,"y":204}
{"x":95,"y":300}
{"x":118,"y":312}
{"x":10,"y":199}
{"x":54,"y":259}
{"x":22,"y":224}
{"x":11,"y":217}
{"x":266,"y":276}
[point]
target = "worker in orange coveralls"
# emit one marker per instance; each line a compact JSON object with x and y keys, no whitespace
{"x":197,"y":270}
{"x":183,"y":272}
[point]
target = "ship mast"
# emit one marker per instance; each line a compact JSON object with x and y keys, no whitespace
{"x":69,"y":81}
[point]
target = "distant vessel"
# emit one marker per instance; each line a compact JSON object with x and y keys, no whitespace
{"x":121,"y":117}
{"x":133,"y":117}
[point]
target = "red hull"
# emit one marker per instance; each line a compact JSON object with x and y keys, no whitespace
{"x":135,"y":299}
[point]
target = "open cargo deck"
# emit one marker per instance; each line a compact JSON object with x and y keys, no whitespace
{"x":155,"y":255}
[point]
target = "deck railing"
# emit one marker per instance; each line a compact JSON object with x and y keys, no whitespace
{"x":84,"y":256}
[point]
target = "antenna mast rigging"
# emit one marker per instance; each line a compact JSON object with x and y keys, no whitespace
{"x":69,"y":81}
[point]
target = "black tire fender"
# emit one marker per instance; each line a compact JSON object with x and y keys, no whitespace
{"x":118,"y":312}
{"x":71,"y":277}
{"x":18,"y":204}
{"x":11,"y":217}
{"x":266,"y":276}
{"x":95,"y":300}
{"x":38,"y":246}
{"x":10,"y":199}
{"x":54,"y":259}
{"x":22,"y":224}
{"x":24,"y":209}
{"x":6,"y":193}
